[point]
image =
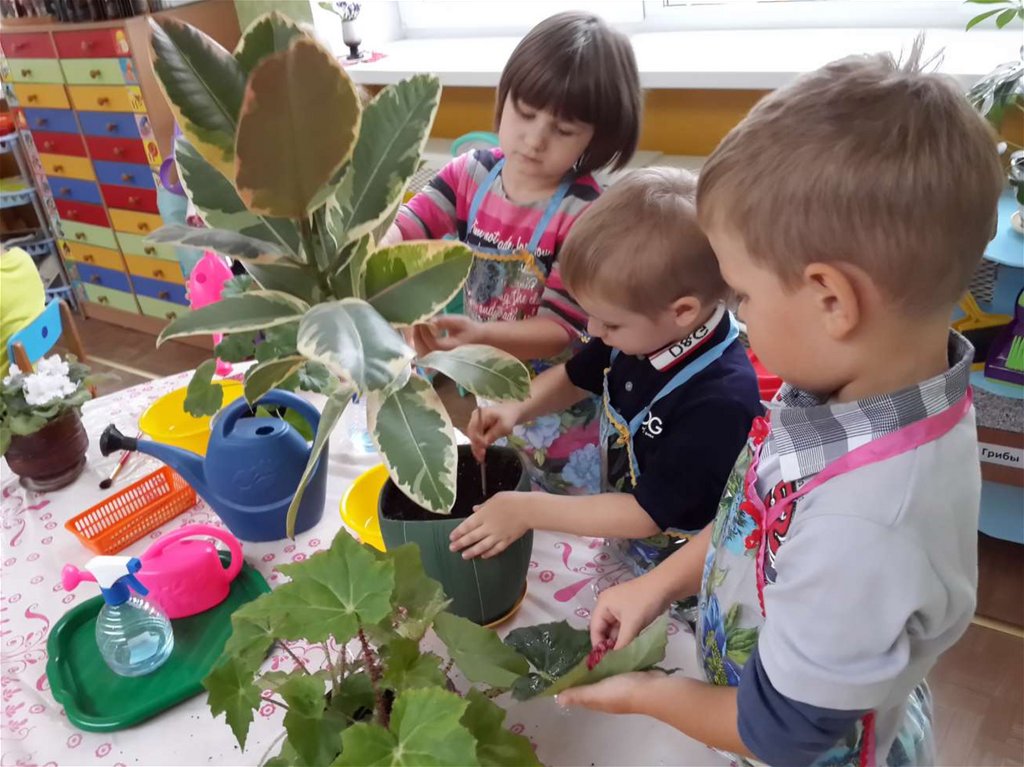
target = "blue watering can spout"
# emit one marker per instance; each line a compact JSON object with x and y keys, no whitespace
{"x":188,"y":464}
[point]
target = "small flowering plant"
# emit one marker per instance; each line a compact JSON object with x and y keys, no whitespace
{"x":28,"y":402}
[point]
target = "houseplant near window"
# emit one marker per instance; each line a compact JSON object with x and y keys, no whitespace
{"x":41,"y":433}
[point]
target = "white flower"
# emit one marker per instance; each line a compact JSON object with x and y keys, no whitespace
{"x":52,"y":366}
{"x":13,"y":377}
{"x":41,"y":390}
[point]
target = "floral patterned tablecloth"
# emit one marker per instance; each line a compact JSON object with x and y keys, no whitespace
{"x":35,"y":545}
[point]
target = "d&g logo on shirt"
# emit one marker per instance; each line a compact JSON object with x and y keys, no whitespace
{"x":653,"y":426}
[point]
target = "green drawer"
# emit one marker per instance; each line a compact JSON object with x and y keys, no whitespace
{"x":115,"y":299}
{"x":96,"y":71}
{"x":94,"y":235}
{"x":35,"y":71}
{"x":136,"y":245}
{"x":164,"y":310}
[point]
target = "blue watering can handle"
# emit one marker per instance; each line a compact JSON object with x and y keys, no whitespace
{"x":278,"y":397}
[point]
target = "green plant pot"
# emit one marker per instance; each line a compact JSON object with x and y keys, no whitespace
{"x":482,"y":590}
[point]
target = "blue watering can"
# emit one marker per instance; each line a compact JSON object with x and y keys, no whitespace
{"x":251,"y":470}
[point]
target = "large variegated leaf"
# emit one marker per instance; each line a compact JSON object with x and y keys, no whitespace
{"x":204,"y":86}
{"x":414,"y":434}
{"x":296,"y":279}
{"x":255,"y":310}
{"x":332,"y":411}
{"x":264,"y":376}
{"x":396,"y":125}
{"x":222,"y":241}
{"x":298,"y":124}
{"x":413,"y":281}
{"x":355,"y":343}
{"x":351,"y":262}
{"x":483,"y":370}
{"x":268,"y":34}
{"x":219,"y":205}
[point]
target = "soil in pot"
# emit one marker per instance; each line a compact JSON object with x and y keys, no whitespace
{"x":483,"y":590}
{"x":52,"y":457}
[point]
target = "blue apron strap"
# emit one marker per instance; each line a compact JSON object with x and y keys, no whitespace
{"x":549,"y":213}
{"x":688,"y":372}
{"x":481,"y":193}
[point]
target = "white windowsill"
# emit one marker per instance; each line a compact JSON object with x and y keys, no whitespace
{"x":716,"y":59}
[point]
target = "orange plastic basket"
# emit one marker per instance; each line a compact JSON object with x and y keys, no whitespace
{"x":108,"y":527}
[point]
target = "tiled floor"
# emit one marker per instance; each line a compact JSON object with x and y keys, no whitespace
{"x":978,"y":685}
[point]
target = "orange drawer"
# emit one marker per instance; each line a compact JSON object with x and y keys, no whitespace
{"x":135,"y":223}
{"x":107,"y":98}
{"x":27,"y":46}
{"x":90,"y":254}
{"x":37,"y":95}
{"x":68,"y":166}
{"x":91,"y":44}
{"x":156,"y":268}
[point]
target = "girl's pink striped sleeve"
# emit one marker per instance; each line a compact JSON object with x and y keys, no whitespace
{"x":431,"y":214}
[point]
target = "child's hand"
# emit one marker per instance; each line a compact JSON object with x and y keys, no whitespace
{"x":614,"y":695}
{"x":492,"y":528}
{"x":447,"y":332}
{"x":487,"y":425}
{"x":625,"y":610}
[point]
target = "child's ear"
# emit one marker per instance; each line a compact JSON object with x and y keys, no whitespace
{"x":835,"y":294}
{"x":686,"y":310}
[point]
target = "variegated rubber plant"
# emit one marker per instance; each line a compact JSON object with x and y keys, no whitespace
{"x":295,"y":178}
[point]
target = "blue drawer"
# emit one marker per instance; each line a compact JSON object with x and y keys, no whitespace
{"x":124,"y":174}
{"x":74,"y":189}
{"x":106,"y":278}
{"x":51,"y":120}
{"x":116,"y":124}
{"x":165,"y":291}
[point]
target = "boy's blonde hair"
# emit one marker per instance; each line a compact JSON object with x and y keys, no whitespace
{"x":868,"y":162}
{"x":640,"y":244}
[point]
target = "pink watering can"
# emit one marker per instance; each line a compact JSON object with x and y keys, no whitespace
{"x":184,"y":577}
{"x":205,"y":284}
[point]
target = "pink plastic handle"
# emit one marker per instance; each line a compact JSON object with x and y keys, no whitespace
{"x":71,"y":576}
{"x":192,"y":531}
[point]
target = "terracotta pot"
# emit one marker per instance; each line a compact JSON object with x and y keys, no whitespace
{"x":51,"y":458}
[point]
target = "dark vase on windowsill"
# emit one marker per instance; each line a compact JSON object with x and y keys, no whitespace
{"x":52,"y":457}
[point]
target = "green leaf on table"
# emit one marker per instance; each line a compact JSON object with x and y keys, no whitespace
{"x":203,"y":397}
{"x":395,"y":128}
{"x":354,"y":696}
{"x":418,"y":599}
{"x":530,"y":686}
{"x":255,"y":310}
{"x":413,"y":281}
{"x":251,"y":636}
{"x":204,"y":86}
{"x":313,"y":731}
{"x":553,"y":649}
{"x":280,"y":164}
{"x":332,"y":592}
{"x":495,"y":746}
{"x":223,"y":241}
{"x":315,"y":377}
{"x":264,"y":376}
{"x":332,"y":411}
{"x":23,"y":424}
{"x":270,"y":33}
{"x":645,"y":651}
{"x":355,"y":343}
{"x":235,"y":347}
{"x":483,"y":370}
{"x":424,"y":731}
{"x":405,"y":668}
{"x":217,"y":201}
{"x":479,"y":653}
{"x":414,"y":434}
{"x":232,"y":692}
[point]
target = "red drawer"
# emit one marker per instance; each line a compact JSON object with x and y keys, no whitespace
{"x":92,"y":44}
{"x":59,"y":143}
{"x":26,"y":45}
{"x":130,"y":198}
{"x":117,"y":149}
{"x":83,"y":213}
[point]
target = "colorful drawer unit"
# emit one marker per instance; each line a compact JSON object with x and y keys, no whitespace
{"x":174,"y":292}
{"x":106,"y":98}
{"x":82,"y":213}
{"x":41,"y":95}
{"x":115,"y":299}
{"x":51,"y":120}
{"x":124,"y":174}
{"x":67,"y":166}
{"x":92,"y":255}
{"x":59,"y":143}
{"x":75,"y":190}
{"x":27,"y":45}
{"x":102,"y":43}
{"x":98,"y":72}
{"x":35,"y":71}
{"x":104,"y":278}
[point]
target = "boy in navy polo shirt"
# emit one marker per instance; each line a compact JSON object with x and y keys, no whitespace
{"x":679,"y":393}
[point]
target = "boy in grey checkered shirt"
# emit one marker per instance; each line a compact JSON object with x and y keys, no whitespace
{"x":848,"y":212}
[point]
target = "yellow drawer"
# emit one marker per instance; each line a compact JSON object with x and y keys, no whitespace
{"x":90,"y":254}
{"x":107,"y":98}
{"x":37,"y":96}
{"x":67,"y":166}
{"x":135,"y":223}
{"x":155,"y":268}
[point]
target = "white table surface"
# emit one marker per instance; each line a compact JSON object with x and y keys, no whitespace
{"x":35,"y":546}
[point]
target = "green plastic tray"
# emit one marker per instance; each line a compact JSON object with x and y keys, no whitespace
{"x":98,"y":700}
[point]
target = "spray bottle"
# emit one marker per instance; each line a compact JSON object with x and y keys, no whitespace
{"x":134,"y":636}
